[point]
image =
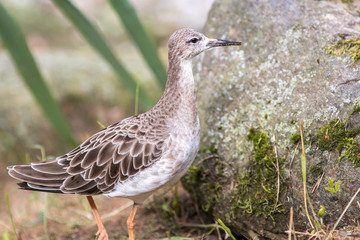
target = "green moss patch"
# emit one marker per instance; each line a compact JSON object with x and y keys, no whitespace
{"x":336,"y":135}
{"x":196,"y":179}
{"x":356,"y":109}
{"x":295,"y":138}
{"x":316,"y":171}
{"x":350,"y":150}
{"x":194,"y":175}
{"x":256,"y":192}
{"x":344,"y":47}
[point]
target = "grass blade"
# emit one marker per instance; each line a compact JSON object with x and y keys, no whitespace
{"x":15,"y":42}
{"x":136,"y":111}
{"x":313,"y":220}
{"x":45,"y":216}
{"x":303,"y":171}
{"x":95,"y":39}
{"x":143,"y":41}
{"x":227,"y":230}
{"x":11,"y":217}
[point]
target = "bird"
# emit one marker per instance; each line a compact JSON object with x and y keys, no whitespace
{"x":138,"y":155}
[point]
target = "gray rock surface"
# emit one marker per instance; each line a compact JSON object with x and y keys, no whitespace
{"x":279,"y":75}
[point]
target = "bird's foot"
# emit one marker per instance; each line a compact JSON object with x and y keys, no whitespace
{"x":131,"y":222}
{"x":102,"y":234}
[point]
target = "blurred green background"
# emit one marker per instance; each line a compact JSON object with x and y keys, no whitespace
{"x":80,"y":80}
{"x":86,"y":82}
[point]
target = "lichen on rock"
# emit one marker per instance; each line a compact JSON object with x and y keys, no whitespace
{"x":279,"y":75}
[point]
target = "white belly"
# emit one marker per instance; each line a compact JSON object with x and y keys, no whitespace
{"x":182,"y":148}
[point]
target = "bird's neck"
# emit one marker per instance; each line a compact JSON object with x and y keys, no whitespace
{"x":180,"y":79}
{"x":179,"y":94}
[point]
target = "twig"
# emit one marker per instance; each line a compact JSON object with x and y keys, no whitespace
{"x":300,"y":233}
{"x":349,"y":80}
{"x":207,"y":158}
{"x":343,"y":213}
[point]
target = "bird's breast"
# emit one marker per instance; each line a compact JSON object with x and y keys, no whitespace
{"x":184,"y":142}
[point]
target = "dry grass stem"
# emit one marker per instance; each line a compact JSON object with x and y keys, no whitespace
{"x":290,"y":222}
{"x":293,"y":156}
{"x":317,"y":184}
{"x":217,"y":230}
{"x":117,"y":211}
{"x":261,"y":124}
{"x":317,"y":235}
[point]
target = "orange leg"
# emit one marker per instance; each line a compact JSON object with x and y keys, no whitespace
{"x":131,"y":222}
{"x":101,"y":233}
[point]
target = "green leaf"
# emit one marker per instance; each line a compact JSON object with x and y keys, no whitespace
{"x":165,"y":207}
{"x":337,"y":186}
{"x":331,"y":182}
{"x":95,"y":39}
{"x":332,"y":190}
{"x":15,"y":42}
{"x":135,"y":29}
{"x":322,"y":211}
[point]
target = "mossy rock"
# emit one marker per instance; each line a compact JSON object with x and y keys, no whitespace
{"x":250,"y":100}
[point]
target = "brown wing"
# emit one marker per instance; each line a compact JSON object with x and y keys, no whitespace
{"x":111,"y":155}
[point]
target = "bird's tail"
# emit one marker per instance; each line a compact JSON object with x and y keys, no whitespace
{"x":46,"y":176}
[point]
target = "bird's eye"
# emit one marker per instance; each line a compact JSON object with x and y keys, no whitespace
{"x":193,"y":40}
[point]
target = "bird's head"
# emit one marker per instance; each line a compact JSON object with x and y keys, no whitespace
{"x":187,"y":43}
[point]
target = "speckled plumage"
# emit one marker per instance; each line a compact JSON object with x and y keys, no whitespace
{"x":136,"y":156}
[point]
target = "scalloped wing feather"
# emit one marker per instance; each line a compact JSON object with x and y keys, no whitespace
{"x":94,"y":167}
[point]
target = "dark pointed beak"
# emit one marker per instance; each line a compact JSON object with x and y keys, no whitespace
{"x":219,"y":42}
